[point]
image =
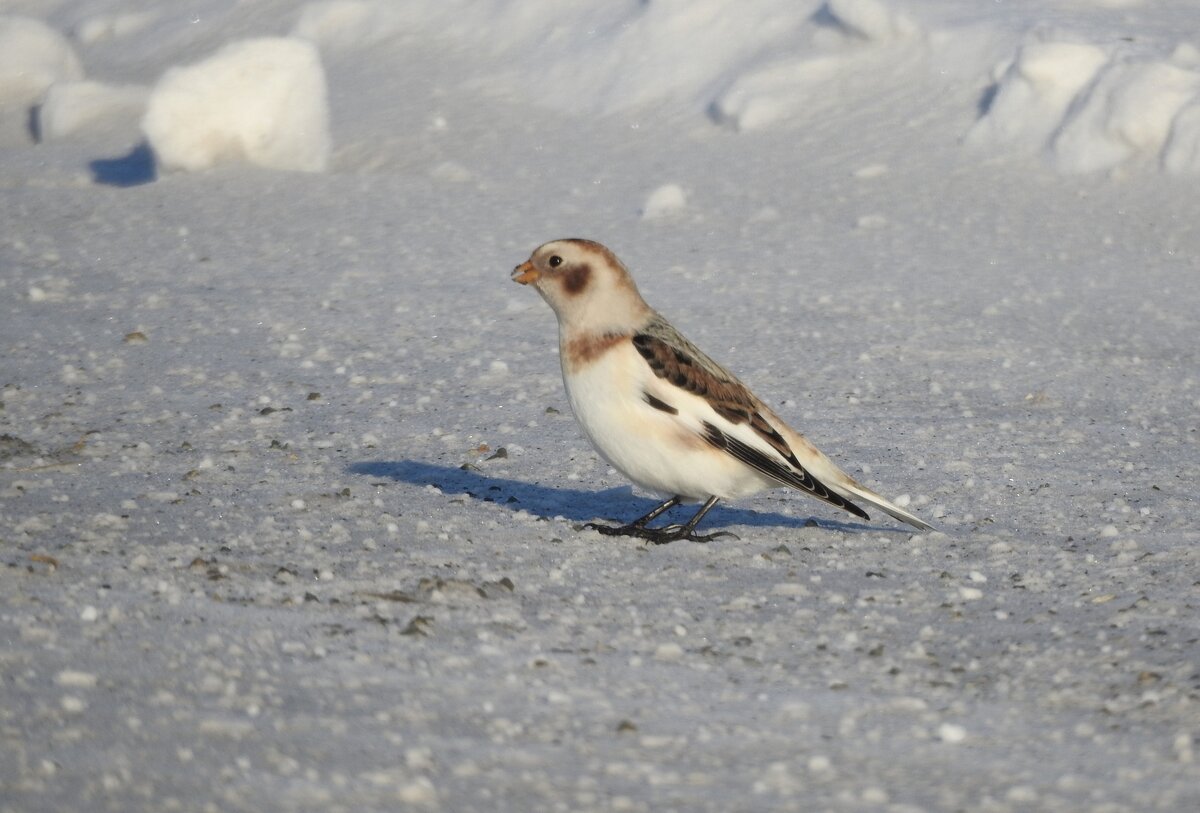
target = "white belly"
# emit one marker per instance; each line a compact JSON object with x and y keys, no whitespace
{"x":659,"y":451}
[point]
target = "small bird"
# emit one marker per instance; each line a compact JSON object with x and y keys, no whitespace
{"x":663,"y":413}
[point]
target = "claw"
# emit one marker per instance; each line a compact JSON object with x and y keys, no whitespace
{"x":658,"y":536}
{"x":669,"y":533}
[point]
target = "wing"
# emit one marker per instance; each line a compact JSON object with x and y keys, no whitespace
{"x":673,"y":358}
{"x":796,"y":478}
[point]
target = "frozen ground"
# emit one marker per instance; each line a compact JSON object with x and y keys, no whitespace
{"x":289,"y":489}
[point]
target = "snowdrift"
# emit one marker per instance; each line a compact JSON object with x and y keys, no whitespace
{"x":1096,"y":108}
{"x":261,"y":101}
{"x":1089,"y":99}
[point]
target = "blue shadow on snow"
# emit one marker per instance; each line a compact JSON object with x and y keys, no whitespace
{"x":613,"y":504}
{"x":133,"y":169}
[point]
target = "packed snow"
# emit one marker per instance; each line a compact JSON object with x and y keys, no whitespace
{"x":74,"y":108}
{"x":260,"y":100}
{"x":292,"y":503}
{"x":665,"y":201}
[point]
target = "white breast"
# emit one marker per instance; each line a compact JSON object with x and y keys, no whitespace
{"x":659,"y":451}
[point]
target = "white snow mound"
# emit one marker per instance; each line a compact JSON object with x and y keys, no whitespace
{"x":1129,"y":112}
{"x":1092,"y":109}
{"x":259,"y":100}
{"x":33,"y":56}
{"x":665,"y":201}
{"x":70,"y":108}
{"x":1034,"y":91}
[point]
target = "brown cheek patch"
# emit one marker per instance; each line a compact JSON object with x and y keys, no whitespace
{"x":576,"y":279}
{"x":584,"y":350}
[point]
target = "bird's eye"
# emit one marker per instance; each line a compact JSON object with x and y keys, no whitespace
{"x":555,"y":261}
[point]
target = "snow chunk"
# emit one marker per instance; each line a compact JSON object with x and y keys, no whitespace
{"x":76,"y":680}
{"x":33,"y":56}
{"x":951,"y":733}
{"x":73,"y":705}
{"x":258,"y":100}
{"x":1035,"y":89}
{"x":72,"y":107}
{"x":665,"y":201}
{"x":670,"y":651}
{"x":1128,"y":112}
{"x":1094,"y":109}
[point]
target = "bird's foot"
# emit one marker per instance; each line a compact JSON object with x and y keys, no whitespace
{"x":657,"y":536}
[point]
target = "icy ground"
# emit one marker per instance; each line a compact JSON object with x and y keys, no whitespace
{"x":290,"y":491}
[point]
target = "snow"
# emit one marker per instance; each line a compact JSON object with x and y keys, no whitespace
{"x":1097,"y":108}
{"x":665,"y":201}
{"x":71,"y":108}
{"x":33,"y":56}
{"x":871,"y":20}
{"x":345,"y":24}
{"x":291,"y":499}
{"x":259,"y":100}
{"x":1034,"y":92}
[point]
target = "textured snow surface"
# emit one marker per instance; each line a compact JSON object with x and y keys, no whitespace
{"x":291,"y":497}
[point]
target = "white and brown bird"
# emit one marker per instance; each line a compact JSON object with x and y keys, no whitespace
{"x":663,"y":413}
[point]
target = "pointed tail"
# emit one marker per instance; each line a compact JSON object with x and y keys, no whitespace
{"x":853,"y":491}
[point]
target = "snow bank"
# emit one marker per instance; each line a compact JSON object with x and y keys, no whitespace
{"x":1093,"y":108}
{"x":259,"y":100}
{"x":584,"y":58}
{"x":1033,"y":92}
{"x":670,"y":52}
{"x":1085,"y":98}
{"x":843,"y":38}
{"x":1128,"y":112}
{"x":70,"y":108}
{"x":33,"y":56}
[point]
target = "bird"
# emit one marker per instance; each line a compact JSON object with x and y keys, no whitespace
{"x":663,"y":413}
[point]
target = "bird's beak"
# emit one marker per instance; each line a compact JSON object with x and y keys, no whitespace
{"x":525,"y":273}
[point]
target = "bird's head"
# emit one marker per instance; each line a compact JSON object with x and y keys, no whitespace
{"x":585,"y":284}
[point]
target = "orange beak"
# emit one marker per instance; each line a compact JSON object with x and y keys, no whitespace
{"x":525,"y":273}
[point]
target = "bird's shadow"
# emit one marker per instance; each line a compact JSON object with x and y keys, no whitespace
{"x":616,"y":504}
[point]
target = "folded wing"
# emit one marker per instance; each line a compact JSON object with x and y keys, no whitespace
{"x":674,"y":359}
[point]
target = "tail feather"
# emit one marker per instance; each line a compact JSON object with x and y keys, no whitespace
{"x":852,"y":490}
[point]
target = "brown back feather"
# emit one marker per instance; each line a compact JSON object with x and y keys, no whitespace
{"x":673,"y":358}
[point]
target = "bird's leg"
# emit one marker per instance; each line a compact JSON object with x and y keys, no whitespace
{"x":670,"y":533}
{"x":661,"y":536}
{"x":634,"y":528}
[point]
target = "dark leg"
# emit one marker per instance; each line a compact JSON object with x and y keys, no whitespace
{"x":670,"y":533}
{"x":638,"y":524}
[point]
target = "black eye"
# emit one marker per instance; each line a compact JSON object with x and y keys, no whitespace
{"x":555,"y":261}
